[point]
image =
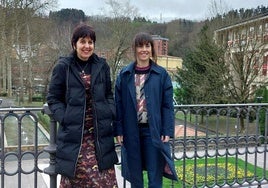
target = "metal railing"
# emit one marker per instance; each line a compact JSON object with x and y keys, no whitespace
{"x":21,"y":151}
{"x":214,"y":146}
{"x":221,"y":145}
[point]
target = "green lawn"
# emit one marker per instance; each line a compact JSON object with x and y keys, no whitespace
{"x":225,"y":172}
{"x":221,"y":124}
{"x":28,"y":128}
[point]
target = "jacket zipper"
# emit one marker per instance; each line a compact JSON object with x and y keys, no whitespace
{"x":98,"y":155}
{"x":82,"y":134}
{"x":97,"y":134}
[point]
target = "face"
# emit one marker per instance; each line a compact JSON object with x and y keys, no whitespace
{"x":144,"y":52}
{"x":84,"y":48}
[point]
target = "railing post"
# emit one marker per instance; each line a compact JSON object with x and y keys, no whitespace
{"x":173,"y":155}
{"x":51,"y":148}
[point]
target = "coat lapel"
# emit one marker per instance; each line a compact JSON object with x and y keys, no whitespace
{"x":130,"y":73}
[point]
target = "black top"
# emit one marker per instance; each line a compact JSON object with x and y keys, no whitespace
{"x":84,"y":65}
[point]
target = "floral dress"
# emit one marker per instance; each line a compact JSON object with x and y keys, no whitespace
{"x":87,"y":173}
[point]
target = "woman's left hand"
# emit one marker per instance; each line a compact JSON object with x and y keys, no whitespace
{"x":165,"y":138}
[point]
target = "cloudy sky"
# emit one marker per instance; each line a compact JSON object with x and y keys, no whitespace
{"x":166,"y":10}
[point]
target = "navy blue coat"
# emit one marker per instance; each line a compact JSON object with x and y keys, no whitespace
{"x":67,"y":101}
{"x":160,"y":109}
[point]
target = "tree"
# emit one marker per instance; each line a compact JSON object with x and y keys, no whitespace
{"x":201,"y":78}
{"x":4,"y":50}
{"x":62,"y":25}
{"x":27,"y":42}
{"x":261,"y":95}
{"x":181,"y":33}
{"x":218,"y":8}
{"x":118,"y":33}
{"x":17,"y":41}
{"x":72,"y":16}
{"x":245,"y":62}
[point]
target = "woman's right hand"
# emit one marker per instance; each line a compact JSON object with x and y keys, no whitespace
{"x":119,"y":140}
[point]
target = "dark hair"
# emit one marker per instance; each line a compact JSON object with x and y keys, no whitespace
{"x":141,"y":39}
{"x":82,"y":31}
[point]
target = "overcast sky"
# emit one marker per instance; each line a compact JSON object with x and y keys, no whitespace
{"x":165,"y":9}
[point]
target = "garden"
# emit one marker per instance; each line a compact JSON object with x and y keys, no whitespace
{"x":217,"y":170}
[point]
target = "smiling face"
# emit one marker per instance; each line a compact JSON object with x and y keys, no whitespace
{"x":143,"y":53}
{"x":84,"y":48}
{"x":83,"y":41}
{"x":143,"y":47}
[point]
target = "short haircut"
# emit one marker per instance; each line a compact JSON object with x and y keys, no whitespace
{"x":141,"y":39}
{"x":82,"y":31}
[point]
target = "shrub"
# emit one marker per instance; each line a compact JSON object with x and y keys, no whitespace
{"x":4,"y":94}
{"x":44,"y":120}
{"x":37,"y":98}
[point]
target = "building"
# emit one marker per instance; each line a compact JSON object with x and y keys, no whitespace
{"x":161,"y":45}
{"x":248,"y":37}
{"x":171,"y":63}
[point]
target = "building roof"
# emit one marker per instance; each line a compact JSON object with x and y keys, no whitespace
{"x":245,"y":22}
{"x":158,"y":37}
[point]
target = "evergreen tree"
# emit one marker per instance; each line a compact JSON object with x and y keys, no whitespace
{"x":201,"y":78}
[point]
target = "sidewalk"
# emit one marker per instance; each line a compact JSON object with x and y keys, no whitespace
{"x":120,"y":180}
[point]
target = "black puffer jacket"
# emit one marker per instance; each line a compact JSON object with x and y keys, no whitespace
{"x":67,"y":101}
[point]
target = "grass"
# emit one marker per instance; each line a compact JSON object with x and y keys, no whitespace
{"x":219,"y":170}
{"x":227,"y":172}
{"x":26,"y":104}
{"x":27,"y":131}
{"x":218,"y":124}
{"x":42,"y":118}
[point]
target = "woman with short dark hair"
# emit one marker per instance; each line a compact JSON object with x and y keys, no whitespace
{"x":81,"y":100}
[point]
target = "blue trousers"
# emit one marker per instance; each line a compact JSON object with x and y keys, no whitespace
{"x":152,"y":161}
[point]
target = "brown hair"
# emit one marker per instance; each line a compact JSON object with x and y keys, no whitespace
{"x":144,"y":38}
{"x":82,"y":31}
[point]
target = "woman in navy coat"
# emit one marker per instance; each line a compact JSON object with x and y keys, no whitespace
{"x":145,"y":117}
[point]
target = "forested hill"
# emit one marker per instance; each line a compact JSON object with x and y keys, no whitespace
{"x":238,"y":15}
{"x":182,"y":33}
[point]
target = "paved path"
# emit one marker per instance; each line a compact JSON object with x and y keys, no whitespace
{"x":120,"y":180}
{"x":42,"y":178}
{"x":6,"y":103}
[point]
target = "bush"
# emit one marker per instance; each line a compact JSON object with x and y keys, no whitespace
{"x":44,"y":120}
{"x":37,"y":98}
{"x":3,"y":94}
